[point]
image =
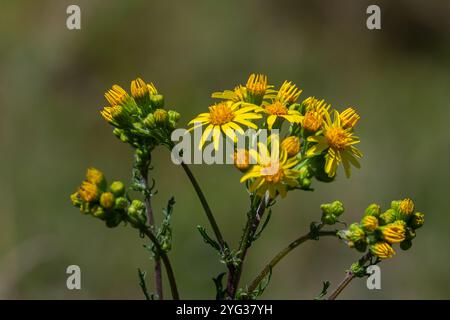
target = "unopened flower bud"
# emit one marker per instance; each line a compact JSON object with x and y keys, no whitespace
{"x":75,"y":198}
{"x":291,"y":145}
{"x":98,"y":212}
{"x":369,"y":223}
{"x":95,"y":176}
{"x":117,"y":188}
{"x":406,"y":244}
{"x":157,"y":100}
{"x":394,"y":232}
{"x":173,"y":116}
{"x":382,"y":250}
{"x":160,"y":115}
{"x":388,"y":217}
{"x":107,"y":200}
{"x":373,"y":210}
{"x":358,"y":270}
{"x":355,"y":233}
{"x":137,"y":210}
{"x":336,"y":208}
{"x":121,"y":203}
{"x":418,"y":219}
{"x":150,"y":121}
{"x":242,"y":159}
{"x":113,"y":221}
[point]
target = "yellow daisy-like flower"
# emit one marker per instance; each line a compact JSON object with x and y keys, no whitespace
{"x":382,"y":250}
{"x":277,"y":110}
{"x":139,"y":88}
{"x":394,"y":232}
{"x":339,"y":144}
{"x":271,"y":173}
{"x":225,"y":117}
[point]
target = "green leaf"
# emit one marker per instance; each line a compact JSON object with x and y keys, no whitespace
{"x":326,"y":285}
{"x":220,"y":291}
{"x":208,"y":239}
{"x":142,"y":284}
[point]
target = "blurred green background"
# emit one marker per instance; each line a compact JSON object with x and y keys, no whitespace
{"x":52,"y":82}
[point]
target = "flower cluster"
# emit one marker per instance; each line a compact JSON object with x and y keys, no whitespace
{"x":139,"y":118}
{"x":108,"y":203}
{"x":379,"y":231}
{"x":318,"y":138}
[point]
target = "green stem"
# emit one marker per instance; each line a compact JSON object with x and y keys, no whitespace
{"x":349,"y":276}
{"x":267,"y":269}
{"x":165,"y":260}
{"x":205,"y":206}
{"x":151,"y":221}
{"x":246,"y":240}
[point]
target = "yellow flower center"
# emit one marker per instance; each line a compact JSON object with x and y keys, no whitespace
{"x":337,"y":138}
{"x":273,"y":178}
{"x":277,"y":109}
{"x":220,"y":114}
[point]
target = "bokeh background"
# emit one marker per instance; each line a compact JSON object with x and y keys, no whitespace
{"x":52,"y":82}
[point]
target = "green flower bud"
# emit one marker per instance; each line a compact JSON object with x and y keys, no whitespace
{"x":157,"y":100}
{"x":335,"y":208}
{"x":117,"y":188}
{"x":356,"y":233}
{"x":388,"y":217}
{"x":107,"y":200}
{"x":358,"y":270}
{"x":329,"y":219}
{"x":137,"y":211}
{"x":121,"y":203}
{"x":75,"y":199}
{"x":150,"y":121}
{"x":113,"y":221}
{"x":361,"y":246}
{"x":99,"y":212}
{"x":304,"y":172}
{"x":173,"y":116}
{"x":124,"y":138}
{"x":372,"y":238}
{"x":373,"y":210}
{"x":406,"y":244}
{"x":118,"y":132}
{"x":395,"y":204}
{"x":410,"y":234}
{"x":418,"y":219}
{"x":305,"y":183}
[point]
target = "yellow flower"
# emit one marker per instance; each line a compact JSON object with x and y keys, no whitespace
{"x":288,"y":93}
{"x":107,"y":200}
{"x":369,"y":223}
{"x":225,"y":117}
{"x":277,"y":110}
{"x":291,"y":145}
{"x":382,"y":250}
{"x":116,"y":95}
{"x":315,"y":112}
{"x":160,"y":115}
{"x":406,"y":207}
{"x":94,"y":176}
{"x":338,"y":142}
{"x":394,"y":232}
{"x":349,"y":118}
{"x":139,"y":88}
{"x":242,"y":159}
{"x":255,"y":91}
{"x":271,"y":173}
{"x":88,"y":191}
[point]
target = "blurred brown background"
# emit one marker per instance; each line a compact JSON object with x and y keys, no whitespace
{"x":51,"y":90}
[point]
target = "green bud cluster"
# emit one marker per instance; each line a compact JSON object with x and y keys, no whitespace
{"x":379,"y":231}
{"x":110,"y":203}
{"x":331,"y":212}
